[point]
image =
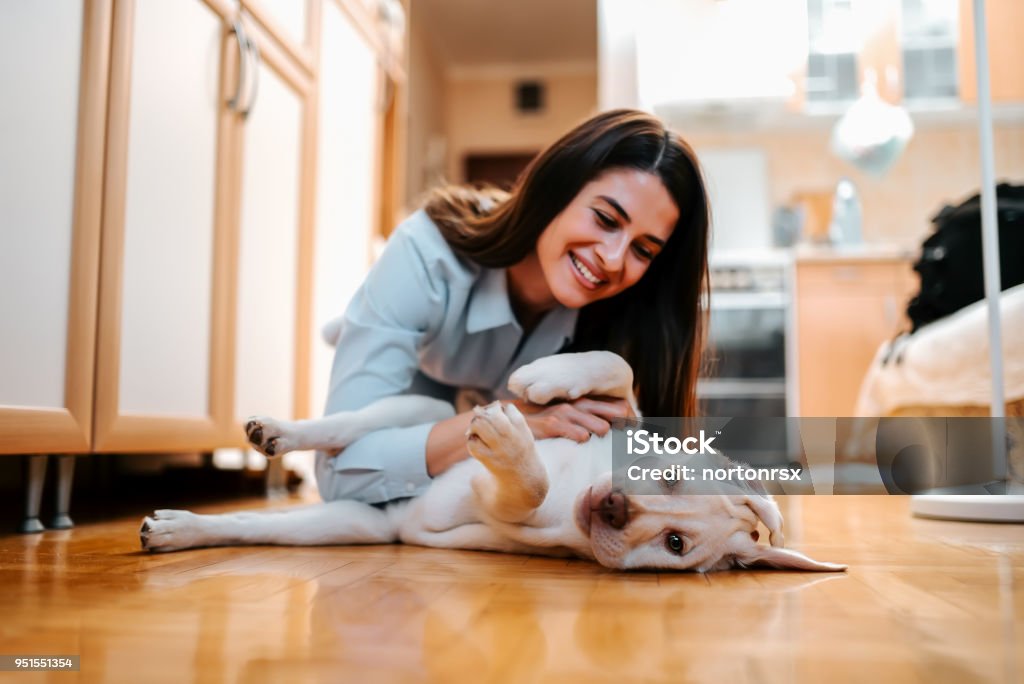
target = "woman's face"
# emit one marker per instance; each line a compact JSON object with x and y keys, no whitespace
{"x":604,"y":240}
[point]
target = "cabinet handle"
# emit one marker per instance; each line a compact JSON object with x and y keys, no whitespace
{"x":254,"y":51}
{"x":242,"y":40}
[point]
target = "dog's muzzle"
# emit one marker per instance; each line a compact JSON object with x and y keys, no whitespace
{"x":614,"y":509}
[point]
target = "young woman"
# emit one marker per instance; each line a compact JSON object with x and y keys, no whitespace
{"x":602,"y":244}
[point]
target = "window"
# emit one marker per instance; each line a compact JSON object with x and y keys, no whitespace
{"x":928,"y":35}
{"x":832,"y":56}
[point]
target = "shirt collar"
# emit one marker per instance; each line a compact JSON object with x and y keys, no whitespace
{"x":489,"y":307}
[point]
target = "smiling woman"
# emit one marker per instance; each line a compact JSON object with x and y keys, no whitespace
{"x":600,"y":245}
{"x":595,"y":248}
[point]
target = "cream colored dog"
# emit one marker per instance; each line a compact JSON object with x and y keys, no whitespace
{"x":554,"y":497}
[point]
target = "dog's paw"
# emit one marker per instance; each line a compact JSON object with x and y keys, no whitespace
{"x":498,"y":435}
{"x":571,"y":376}
{"x":169,"y":530}
{"x":545,"y":380}
{"x":267,"y":436}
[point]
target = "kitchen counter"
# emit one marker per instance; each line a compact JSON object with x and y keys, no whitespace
{"x":853,"y":253}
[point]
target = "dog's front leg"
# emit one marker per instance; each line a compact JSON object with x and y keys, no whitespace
{"x":273,"y":437}
{"x":571,"y":376}
{"x":516,"y":481}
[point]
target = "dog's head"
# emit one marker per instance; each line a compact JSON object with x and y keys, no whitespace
{"x":679,"y":531}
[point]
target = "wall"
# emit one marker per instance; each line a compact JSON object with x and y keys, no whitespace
{"x":941,"y":164}
{"x":425,"y":154}
{"x":481,"y":116}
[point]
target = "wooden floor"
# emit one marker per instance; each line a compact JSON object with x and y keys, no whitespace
{"x":924,"y":601}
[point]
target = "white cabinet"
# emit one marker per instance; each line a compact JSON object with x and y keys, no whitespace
{"x":346,"y":198}
{"x":266,"y":367}
{"x":52,"y":127}
{"x":691,"y":54}
{"x":163,"y":262}
{"x":290,"y":22}
{"x":161,"y":336}
{"x":166,"y":264}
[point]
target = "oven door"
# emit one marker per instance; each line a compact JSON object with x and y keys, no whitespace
{"x":738,"y":398}
{"x":746,"y":362}
{"x":747,"y":336}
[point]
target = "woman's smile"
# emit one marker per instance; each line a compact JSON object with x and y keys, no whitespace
{"x":586,"y":272}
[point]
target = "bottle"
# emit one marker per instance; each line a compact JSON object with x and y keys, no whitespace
{"x":845,"y":227}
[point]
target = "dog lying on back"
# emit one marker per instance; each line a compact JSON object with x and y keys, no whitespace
{"x":553,"y":497}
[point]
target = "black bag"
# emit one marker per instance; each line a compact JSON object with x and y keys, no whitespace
{"x":950,"y":266}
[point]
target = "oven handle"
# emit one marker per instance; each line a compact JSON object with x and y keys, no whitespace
{"x":719,"y":388}
{"x":748,"y":300}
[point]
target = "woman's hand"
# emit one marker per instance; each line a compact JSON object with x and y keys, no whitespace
{"x":575,"y":420}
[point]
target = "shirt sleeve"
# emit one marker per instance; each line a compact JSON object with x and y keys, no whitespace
{"x":399,"y":307}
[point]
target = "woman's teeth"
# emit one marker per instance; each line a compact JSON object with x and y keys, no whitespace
{"x":584,"y":271}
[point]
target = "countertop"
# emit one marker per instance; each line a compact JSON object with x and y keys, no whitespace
{"x":871,"y":251}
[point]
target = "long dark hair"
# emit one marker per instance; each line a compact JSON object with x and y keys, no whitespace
{"x":658,"y":325}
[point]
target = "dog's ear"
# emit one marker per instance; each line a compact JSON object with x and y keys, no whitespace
{"x":756,"y":556}
{"x":767,"y":511}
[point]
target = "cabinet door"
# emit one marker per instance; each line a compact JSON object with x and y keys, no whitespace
{"x":349,"y":125}
{"x":52,"y":125}
{"x":1003,"y":22}
{"x":290,"y":22}
{"x":844,"y":312}
{"x":161,"y":371}
{"x":272,"y":338}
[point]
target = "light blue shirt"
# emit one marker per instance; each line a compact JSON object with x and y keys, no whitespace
{"x":424,"y":322}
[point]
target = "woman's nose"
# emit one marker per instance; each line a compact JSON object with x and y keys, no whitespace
{"x":612,"y":251}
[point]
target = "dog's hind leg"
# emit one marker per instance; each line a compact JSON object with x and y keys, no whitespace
{"x":337,"y":522}
{"x":273,"y":437}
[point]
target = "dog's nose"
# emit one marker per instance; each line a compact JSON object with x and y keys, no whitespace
{"x":613,"y":510}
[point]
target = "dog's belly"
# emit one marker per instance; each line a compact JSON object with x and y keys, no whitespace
{"x":449,"y":515}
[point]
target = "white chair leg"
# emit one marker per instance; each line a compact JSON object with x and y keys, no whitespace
{"x":65,"y":476}
{"x":34,"y":494}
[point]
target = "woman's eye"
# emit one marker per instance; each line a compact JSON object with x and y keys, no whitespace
{"x":605,"y":220}
{"x":675,"y":543}
{"x":643,"y":252}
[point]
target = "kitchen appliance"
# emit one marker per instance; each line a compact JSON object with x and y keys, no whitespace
{"x":746,"y":355}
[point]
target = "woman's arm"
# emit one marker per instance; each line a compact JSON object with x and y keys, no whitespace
{"x":400,"y":305}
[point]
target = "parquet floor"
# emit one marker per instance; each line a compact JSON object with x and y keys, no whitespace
{"x":924,"y":601}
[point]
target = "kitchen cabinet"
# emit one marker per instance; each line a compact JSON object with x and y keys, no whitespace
{"x":275,"y":221}
{"x":163,"y":366}
{"x":913,"y":50}
{"x":190,"y":190}
{"x":694,"y":54}
{"x":845,"y":307}
{"x":52,"y":132}
{"x":1003,"y":19}
{"x":290,"y":22}
{"x":351,"y":150}
{"x":243,"y":344}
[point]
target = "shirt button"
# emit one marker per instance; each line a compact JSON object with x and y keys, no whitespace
{"x":410,"y":487}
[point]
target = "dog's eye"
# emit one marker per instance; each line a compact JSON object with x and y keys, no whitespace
{"x":675,"y":543}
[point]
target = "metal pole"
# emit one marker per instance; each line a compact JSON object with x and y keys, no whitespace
{"x":990,"y":242}
{"x":1009,"y":508}
{"x":989,"y":215}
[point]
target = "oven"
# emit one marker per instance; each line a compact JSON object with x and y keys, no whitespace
{"x":746,"y":356}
